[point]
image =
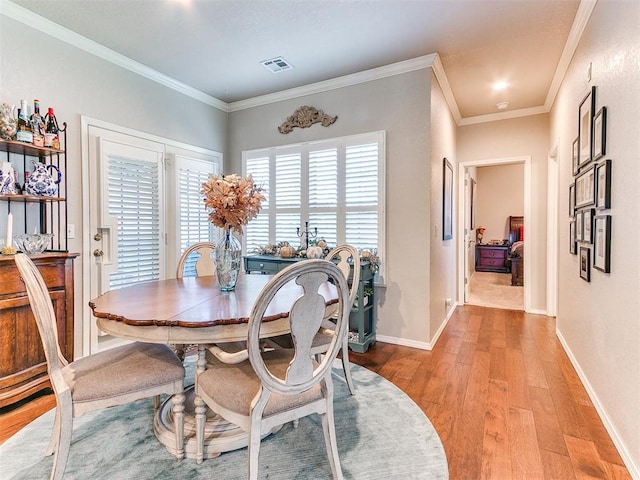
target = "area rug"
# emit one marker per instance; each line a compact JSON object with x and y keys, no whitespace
{"x":381,"y":434}
{"x":489,"y":289}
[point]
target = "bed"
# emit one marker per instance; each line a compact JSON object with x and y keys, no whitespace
{"x":516,"y":250}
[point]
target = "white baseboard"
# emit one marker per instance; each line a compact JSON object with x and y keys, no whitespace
{"x":634,"y":470}
{"x":421,"y":345}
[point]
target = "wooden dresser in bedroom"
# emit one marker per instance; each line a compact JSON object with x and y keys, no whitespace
{"x":492,"y":258}
{"x":23,"y":367}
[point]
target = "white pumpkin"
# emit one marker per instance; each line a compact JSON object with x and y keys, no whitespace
{"x":314,"y":252}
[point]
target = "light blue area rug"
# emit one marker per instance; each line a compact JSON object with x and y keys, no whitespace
{"x":381,"y":433}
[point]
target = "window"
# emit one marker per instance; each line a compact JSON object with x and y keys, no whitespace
{"x":336,"y":185}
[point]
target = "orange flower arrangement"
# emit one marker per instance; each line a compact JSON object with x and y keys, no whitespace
{"x":233,"y":200}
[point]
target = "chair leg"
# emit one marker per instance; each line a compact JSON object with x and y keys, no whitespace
{"x":64,"y":436}
{"x":200,"y":410}
{"x":347,"y":367}
{"x":254,"y":451}
{"x":328,"y":428}
{"x":178,"y":422}
{"x":55,"y":435}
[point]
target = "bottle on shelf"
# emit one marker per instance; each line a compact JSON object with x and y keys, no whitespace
{"x":17,"y":186}
{"x":51,"y":138}
{"x":37,"y":125}
{"x":24,"y":133}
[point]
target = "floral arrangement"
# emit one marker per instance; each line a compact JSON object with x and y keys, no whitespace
{"x":232,"y":200}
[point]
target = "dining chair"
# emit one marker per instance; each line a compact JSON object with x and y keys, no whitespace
{"x":113,"y":377}
{"x":346,"y":257}
{"x":204,"y":265}
{"x":281,"y":385}
{"x":349,"y":264}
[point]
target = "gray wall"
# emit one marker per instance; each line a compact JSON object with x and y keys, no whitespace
{"x":599,"y":321}
{"x":400,"y":106}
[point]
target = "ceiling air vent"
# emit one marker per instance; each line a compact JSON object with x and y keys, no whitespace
{"x":277,"y":65}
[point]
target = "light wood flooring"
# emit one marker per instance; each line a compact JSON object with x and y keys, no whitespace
{"x":500,"y":391}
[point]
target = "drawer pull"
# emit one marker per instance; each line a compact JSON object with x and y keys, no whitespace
{"x":262,"y":265}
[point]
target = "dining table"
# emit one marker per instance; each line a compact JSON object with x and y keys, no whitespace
{"x":195,"y":311}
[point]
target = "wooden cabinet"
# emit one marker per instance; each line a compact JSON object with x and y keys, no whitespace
{"x":492,"y":258}
{"x":23,"y":367}
{"x":362,"y":321}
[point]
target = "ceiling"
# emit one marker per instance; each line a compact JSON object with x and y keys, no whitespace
{"x":216,"y":46}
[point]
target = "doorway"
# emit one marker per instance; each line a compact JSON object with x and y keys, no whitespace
{"x":470,"y":284}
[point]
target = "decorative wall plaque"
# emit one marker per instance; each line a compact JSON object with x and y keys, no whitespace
{"x":304,"y":117}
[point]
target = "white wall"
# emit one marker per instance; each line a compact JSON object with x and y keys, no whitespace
{"x":599,"y":321}
{"x":500,"y":194}
{"x":518,"y":137}
{"x":400,"y":106}
{"x":75,"y":83}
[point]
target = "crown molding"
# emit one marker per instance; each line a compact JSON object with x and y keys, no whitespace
{"x":441,"y":76}
{"x":398,"y":68}
{"x":33,"y":20}
{"x":583,"y":14}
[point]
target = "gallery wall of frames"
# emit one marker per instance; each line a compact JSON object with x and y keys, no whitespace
{"x":590,"y":191}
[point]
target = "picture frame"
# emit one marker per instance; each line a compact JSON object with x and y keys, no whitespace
{"x":585,"y":263}
{"x":572,"y":200}
{"x":579,"y":227}
{"x":587,"y":225}
{"x":600,"y":134}
{"x":603,"y":185}
{"x":602,"y":243}
{"x":586,"y":187}
{"x":575,"y":169}
{"x":573,"y":243}
{"x":447,"y":200}
{"x":585,"y":128}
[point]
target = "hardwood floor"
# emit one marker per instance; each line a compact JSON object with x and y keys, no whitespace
{"x":500,"y":392}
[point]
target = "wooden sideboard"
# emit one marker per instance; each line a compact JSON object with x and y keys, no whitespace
{"x":362,"y":321}
{"x":23,"y":367}
{"x":492,"y":258}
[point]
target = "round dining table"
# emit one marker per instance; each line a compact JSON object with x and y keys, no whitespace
{"x":193,"y":310}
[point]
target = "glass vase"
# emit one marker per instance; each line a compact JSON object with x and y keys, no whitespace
{"x":228,"y":257}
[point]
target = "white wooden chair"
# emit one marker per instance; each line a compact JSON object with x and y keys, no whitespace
{"x":347,"y":258}
{"x":205,"y":264}
{"x":106,"y":379}
{"x":281,"y":385}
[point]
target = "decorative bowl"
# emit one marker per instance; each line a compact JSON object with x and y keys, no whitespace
{"x":32,"y":242}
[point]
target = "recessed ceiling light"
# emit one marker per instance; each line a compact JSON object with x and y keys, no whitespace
{"x":500,"y":85}
{"x":277,"y":64}
{"x":502,"y":105}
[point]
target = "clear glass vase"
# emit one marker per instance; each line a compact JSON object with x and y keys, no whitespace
{"x":228,"y":257}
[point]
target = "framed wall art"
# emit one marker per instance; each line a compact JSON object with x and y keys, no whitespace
{"x":585,"y":263}
{"x":602,"y":243}
{"x":585,"y":128}
{"x":586,"y":187}
{"x":572,"y":200}
{"x":574,"y":157}
{"x":579,"y":228}
{"x":573,"y":242}
{"x":603,"y":185}
{"x":600,"y":133}
{"x":587,"y":225}
{"x":447,"y":200}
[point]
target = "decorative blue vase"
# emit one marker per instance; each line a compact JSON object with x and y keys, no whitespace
{"x":228,"y":257}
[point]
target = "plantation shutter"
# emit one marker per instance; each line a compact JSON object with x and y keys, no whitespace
{"x":257,"y":231}
{"x":288,"y":196}
{"x":134,"y":200}
{"x":361,"y":195}
{"x":193,"y":219}
{"x":323,"y":193}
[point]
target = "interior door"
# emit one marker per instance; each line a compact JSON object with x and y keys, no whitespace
{"x":126,"y":216}
{"x":469,"y":235}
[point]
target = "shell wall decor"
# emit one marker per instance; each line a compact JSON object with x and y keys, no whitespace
{"x":304,"y":117}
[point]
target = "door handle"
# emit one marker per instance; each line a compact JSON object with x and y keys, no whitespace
{"x":98,"y":253}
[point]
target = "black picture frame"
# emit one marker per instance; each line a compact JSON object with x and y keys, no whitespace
{"x":572,"y":200}
{"x":573,"y":243}
{"x":587,"y":225}
{"x":586,"y":187}
{"x":585,"y":128}
{"x":575,"y":168}
{"x":602,"y":243}
{"x":579,"y":227}
{"x":600,"y":134}
{"x":447,"y":200}
{"x":603,"y":185}
{"x":585,"y":263}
